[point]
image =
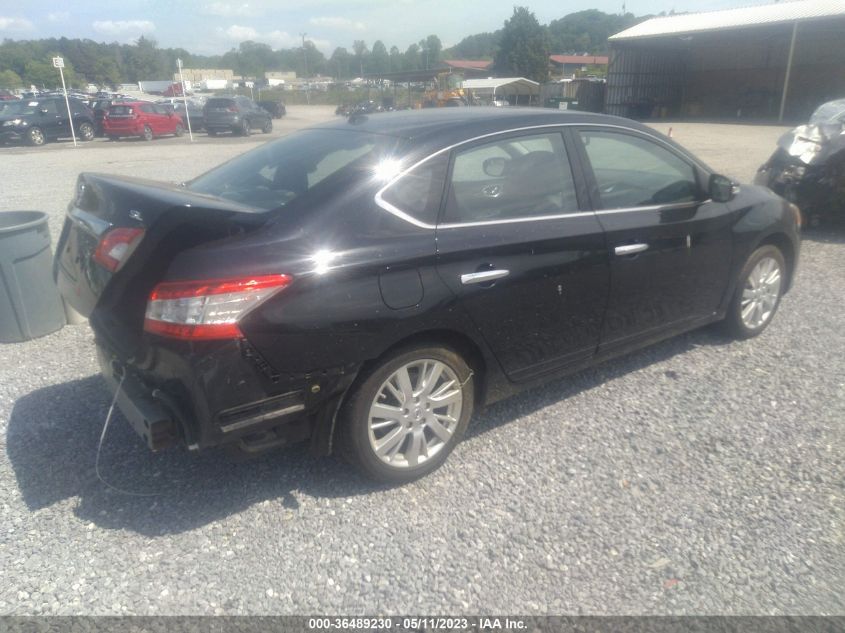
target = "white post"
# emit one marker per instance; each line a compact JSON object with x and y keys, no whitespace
{"x":788,"y":71}
{"x":59,"y":63}
{"x":185,"y":99}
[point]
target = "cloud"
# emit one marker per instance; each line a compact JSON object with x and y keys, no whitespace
{"x":338,"y":23}
{"x":241,"y":33}
{"x":115,"y":27}
{"x":15,"y":24}
{"x":276,"y":39}
{"x":58,"y":16}
{"x":227,"y":10}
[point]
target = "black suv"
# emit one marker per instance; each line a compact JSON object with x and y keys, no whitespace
{"x":38,"y":120}
{"x":239,"y":115}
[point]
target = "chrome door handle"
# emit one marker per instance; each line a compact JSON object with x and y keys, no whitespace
{"x":630,"y":249}
{"x":483,"y":276}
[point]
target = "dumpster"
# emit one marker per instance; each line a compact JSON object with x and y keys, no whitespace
{"x":30,"y":304}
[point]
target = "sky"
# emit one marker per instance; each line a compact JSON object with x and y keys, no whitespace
{"x":215,"y":26}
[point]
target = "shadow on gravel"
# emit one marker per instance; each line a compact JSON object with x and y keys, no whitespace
{"x":53,"y":433}
{"x":833,"y":232}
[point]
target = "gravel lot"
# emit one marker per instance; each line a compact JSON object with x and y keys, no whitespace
{"x":698,"y":476}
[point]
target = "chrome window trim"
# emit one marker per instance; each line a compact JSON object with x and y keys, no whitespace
{"x":392,"y":209}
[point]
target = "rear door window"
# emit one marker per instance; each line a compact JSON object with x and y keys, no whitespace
{"x":419,"y":191}
{"x":121,"y":110}
{"x":631,"y":171}
{"x":518,"y":177}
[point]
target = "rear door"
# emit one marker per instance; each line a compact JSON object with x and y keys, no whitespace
{"x":670,"y":246}
{"x":523,"y":252}
{"x":52,"y":119}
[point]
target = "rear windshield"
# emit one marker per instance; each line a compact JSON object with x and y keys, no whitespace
{"x":219,"y":103}
{"x":830,"y":112}
{"x":120,"y":110}
{"x":275,"y":174}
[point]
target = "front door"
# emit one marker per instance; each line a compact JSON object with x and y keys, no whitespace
{"x":669,"y":245}
{"x":527,"y":262}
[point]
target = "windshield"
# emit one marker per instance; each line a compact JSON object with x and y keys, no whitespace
{"x":275,"y":174}
{"x":830,"y":112}
{"x":20,"y":107}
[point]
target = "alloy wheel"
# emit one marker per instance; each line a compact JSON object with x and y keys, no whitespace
{"x":36,"y":136}
{"x":86,"y":131}
{"x":415,"y":413}
{"x":760,"y":293}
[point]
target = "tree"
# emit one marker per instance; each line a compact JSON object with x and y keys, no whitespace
{"x":360,"y":49}
{"x":587,"y":31}
{"x":434,"y":48}
{"x":340,"y":62}
{"x":395,"y":59}
{"x":379,"y":58}
{"x":412,"y":58}
{"x":523,"y":48}
{"x":10,"y":80}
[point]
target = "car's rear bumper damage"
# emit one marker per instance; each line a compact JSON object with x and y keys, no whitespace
{"x":228,"y":396}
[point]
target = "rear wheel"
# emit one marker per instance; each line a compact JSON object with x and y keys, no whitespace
{"x":758,"y":292}
{"x":179,"y":131}
{"x":245,"y":128}
{"x":407,"y":415}
{"x":86,"y":132}
{"x":268,"y":127}
{"x":147,"y":135}
{"x":35,"y":136}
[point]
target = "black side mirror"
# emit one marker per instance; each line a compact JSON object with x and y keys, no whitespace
{"x":721,"y":188}
{"x":494,"y":166}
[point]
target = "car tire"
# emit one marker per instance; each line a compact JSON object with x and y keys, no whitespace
{"x":86,"y":132}
{"x":179,"y":131}
{"x":267,"y":127}
{"x":758,"y":292}
{"x":418,"y":434}
{"x":245,"y":131}
{"x":147,"y":134}
{"x":35,"y":136}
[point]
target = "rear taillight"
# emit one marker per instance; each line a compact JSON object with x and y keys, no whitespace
{"x":232,"y":109}
{"x":211,"y":309}
{"x":116,"y":246}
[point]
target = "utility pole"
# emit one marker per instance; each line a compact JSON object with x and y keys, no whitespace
{"x":185,"y":99}
{"x":305,"y":59}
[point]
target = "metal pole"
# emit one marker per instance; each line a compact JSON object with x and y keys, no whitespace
{"x":305,"y":60}
{"x":67,"y":103}
{"x":185,"y":99}
{"x":788,"y":71}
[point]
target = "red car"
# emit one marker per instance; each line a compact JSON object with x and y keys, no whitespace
{"x":139,"y":118}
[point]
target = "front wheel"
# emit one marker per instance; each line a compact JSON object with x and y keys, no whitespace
{"x":402,"y":421}
{"x":86,"y":132}
{"x":267,"y":127}
{"x":758,"y":292}
{"x":179,"y":131}
{"x":36,"y":136}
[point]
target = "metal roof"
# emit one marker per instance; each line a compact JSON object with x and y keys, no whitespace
{"x":494,"y":83}
{"x":469,"y":64}
{"x":782,"y":12}
{"x":591,"y":60}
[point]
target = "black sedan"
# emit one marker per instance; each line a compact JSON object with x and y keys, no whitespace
{"x":365,"y":285}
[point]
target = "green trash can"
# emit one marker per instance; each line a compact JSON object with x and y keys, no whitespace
{"x":30,"y":303}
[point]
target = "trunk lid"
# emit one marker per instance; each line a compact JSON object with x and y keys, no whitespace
{"x":173,"y":219}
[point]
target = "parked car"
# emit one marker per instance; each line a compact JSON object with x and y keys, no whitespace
{"x":142,"y":119}
{"x":37,"y":120}
{"x":276,"y":109}
{"x":195,"y":111}
{"x":808,"y":167}
{"x":239,"y":115}
{"x":5,"y":95}
{"x":366,"y":287}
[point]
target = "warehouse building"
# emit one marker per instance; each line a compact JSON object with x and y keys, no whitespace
{"x":773,"y":62}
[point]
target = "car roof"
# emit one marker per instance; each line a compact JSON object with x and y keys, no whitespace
{"x":459,"y":124}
